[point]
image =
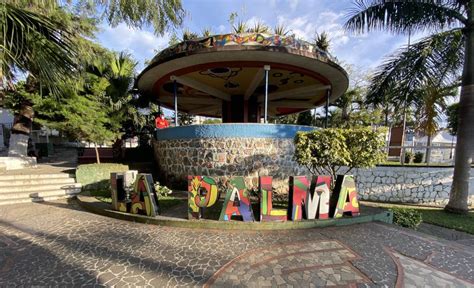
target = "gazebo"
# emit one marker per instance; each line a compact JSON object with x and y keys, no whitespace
{"x":242,"y":79}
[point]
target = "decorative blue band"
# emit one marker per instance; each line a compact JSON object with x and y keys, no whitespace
{"x":240,"y":130}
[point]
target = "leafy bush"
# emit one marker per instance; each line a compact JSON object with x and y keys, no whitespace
{"x":97,"y":176}
{"x":161,"y":190}
{"x":406,"y":217}
{"x":326,"y":151}
{"x":409,"y":157}
{"x":418,"y":157}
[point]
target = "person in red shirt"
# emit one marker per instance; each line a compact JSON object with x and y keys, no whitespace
{"x":160,"y":121}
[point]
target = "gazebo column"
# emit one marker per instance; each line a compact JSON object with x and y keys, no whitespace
{"x":175,"y":93}
{"x":265,"y":113}
{"x":328,"y":94}
{"x":239,"y":110}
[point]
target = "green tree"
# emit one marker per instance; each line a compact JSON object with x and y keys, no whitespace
{"x":41,"y":37}
{"x":305,"y":118}
{"x":430,"y":108}
{"x":453,"y":114}
{"x":322,"y":41}
{"x":420,"y":15}
{"x":259,"y":27}
{"x":329,"y":151}
{"x":185,"y":119}
{"x":281,"y":30}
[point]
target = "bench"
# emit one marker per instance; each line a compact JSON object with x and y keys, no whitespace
{"x":87,"y":155}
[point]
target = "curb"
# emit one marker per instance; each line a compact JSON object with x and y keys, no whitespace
{"x":386,"y":217}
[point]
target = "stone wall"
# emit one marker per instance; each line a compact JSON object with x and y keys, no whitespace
{"x":421,"y":185}
{"x":254,"y":157}
{"x":221,"y":157}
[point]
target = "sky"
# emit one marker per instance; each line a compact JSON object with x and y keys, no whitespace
{"x":303,"y":17}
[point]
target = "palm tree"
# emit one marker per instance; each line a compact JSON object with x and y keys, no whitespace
{"x":33,"y":40}
{"x":240,"y":27}
{"x":431,"y":105}
{"x":403,"y":16}
{"x":259,"y":27}
{"x":321,"y":40}
{"x":281,"y":30}
{"x":22,"y":34}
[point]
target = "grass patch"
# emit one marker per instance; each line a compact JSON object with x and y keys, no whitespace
{"x":437,"y":216}
{"x":165,"y":202}
{"x":102,"y":195}
{"x":397,"y":163}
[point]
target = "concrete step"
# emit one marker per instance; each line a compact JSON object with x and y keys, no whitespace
{"x":37,"y":188}
{"x":37,"y":182}
{"x":29,"y":200}
{"x":7,"y":177}
{"x":42,"y":193}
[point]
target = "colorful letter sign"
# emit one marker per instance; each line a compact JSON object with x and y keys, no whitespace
{"x":134,"y":193}
{"x":346,"y":195}
{"x":143,"y":197}
{"x":122,"y":184}
{"x":237,"y":201}
{"x":319,"y":197}
{"x":267,"y":213}
{"x":298,"y":190}
{"x":202,"y":193}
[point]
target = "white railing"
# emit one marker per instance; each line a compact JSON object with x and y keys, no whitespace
{"x":432,"y":154}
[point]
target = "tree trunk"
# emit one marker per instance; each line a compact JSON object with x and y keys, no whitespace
{"x":428,"y":150}
{"x":458,"y":197}
{"x":97,"y":153}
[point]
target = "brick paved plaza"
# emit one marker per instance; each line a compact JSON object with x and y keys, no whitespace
{"x":58,"y":244}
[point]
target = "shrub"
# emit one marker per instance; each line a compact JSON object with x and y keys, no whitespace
{"x":418,"y":157}
{"x":97,"y":176}
{"x":326,"y":151}
{"x":162,"y":190}
{"x":406,"y":217}
{"x":409,"y":157}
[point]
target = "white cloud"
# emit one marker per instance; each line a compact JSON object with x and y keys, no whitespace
{"x":142,"y":44}
{"x":221,"y":28}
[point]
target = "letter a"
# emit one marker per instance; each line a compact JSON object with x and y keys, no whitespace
{"x":237,"y":201}
{"x":319,"y":198}
{"x":345,"y":194}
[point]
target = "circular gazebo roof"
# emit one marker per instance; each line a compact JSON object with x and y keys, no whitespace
{"x":214,"y":70}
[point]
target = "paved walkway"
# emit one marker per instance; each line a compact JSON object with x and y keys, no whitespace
{"x":58,"y":244}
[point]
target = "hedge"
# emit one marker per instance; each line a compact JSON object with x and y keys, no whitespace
{"x":97,"y":176}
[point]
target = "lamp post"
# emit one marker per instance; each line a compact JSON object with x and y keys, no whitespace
{"x":267,"y":69}
{"x":328,"y":93}
{"x":175,"y":90}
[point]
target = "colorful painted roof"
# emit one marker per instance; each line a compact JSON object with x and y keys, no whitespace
{"x":213,"y":69}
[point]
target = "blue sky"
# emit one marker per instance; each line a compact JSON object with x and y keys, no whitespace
{"x":303,"y":17}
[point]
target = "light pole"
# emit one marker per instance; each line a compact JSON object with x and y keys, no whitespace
{"x":267,"y":69}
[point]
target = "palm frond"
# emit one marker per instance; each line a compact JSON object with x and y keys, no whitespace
{"x":240,"y":27}
{"x":33,"y":43}
{"x":259,"y":27}
{"x":435,"y":60}
{"x":402,"y":16}
{"x":281,"y":30}
{"x":161,"y":14}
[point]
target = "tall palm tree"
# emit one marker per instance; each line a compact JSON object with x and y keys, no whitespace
{"x":431,"y":104}
{"x":403,"y":16}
